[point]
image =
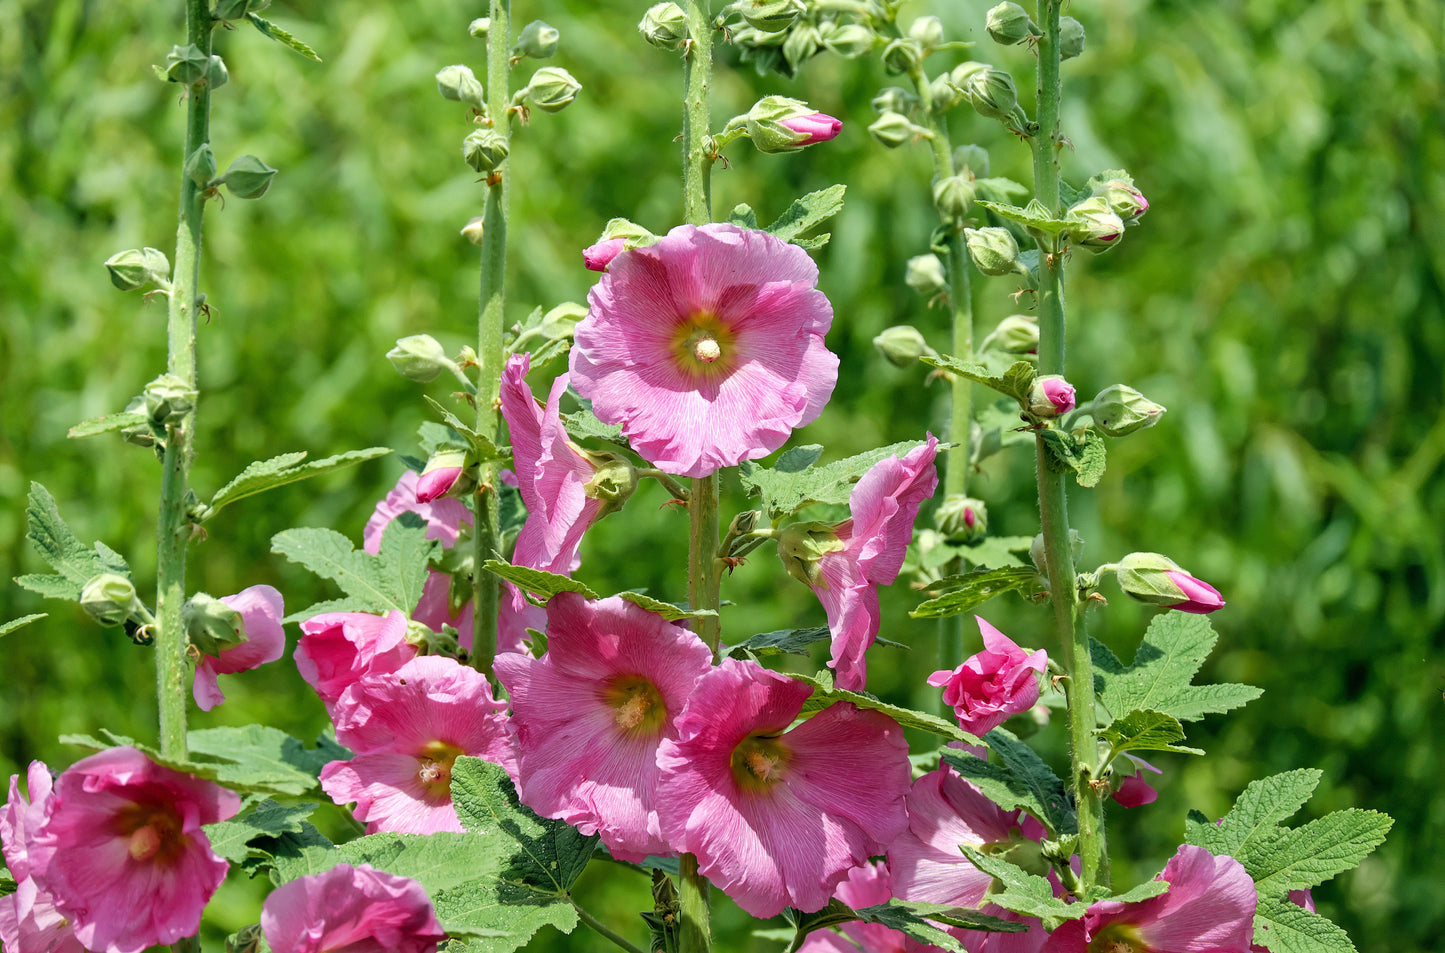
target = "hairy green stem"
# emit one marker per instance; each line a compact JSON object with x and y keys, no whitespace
{"x":1053,"y":499}
{"x":697,"y":141}
{"x":490,"y":347}
{"x":604,"y":929}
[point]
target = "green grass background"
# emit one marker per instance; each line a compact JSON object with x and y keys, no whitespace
{"x":1283,"y":298}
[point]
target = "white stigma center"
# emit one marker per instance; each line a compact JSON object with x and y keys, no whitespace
{"x":707,"y":350}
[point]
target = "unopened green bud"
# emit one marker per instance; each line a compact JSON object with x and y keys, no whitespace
{"x":109,"y":599}
{"x":537,"y":40}
{"x":770,"y":16}
{"x":961,"y":519}
{"x":902,"y":345}
{"x":459,"y":84}
{"x":552,"y":88}
{"x":952,"y":196}
{"x":248,"y":177}
{"x":1009,"y":24}
{"x":187,"y":65}
{"x":801,"y":546}
{"x":135,"y":268}
{"x":485,"y":149}
{"x":972,"y":158}
{"x":613,"y":482}
{"x":895,"y":99}
{"x":894,"y":129}
{"x":664,"y":25}
{"x":992,"y":93}
{"x":168,"y":399}
{"x":926,"y":275}
{"x":200,"y":166}
{"x":1015,"y":334}
{"x":1036,"y":551}
{"x":1071,"y":38}
{"x":216,"y":73}
{"x":1094,"y":225}
{"x":944,"y":94}
{"x":1120,"y":410}
{"x":902,"y":55}
{"x":994,"y":250}
{"x":1124,"y":198}
{"x":850,"y":40}
{"x":801,"y":44}
{"x":430,"y":642}
{"x":419,"y":357}
{"x":480,"y":27}
{"x":474,"y":229}
{"x":927,"y":32}
{"x":211,"y":625}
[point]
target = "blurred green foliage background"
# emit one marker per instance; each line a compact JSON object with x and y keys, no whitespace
{"x":1283,"y":298}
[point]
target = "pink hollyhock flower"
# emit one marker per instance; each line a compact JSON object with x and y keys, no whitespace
{"x":944,"y":813}
{"x":706,"y":347}
{"x":122,"y":854}
{"x":261,"y":608}
{"x":1209,"y":908}
{"x":1051,"y":396}
{"x":28,"y":918}
{"x":998,"y":682}
{"x":866,"y":886}
{"x":356,"y":909}
{"x":1199,"y":596}
{"x":815,"y":127}
{"x":597,"y":257}
{"x":337,"y":649}
{"x":407,"y":728}
{"x":778,"y":817}
{"x":591,"y":713}
{"x":1134,"y":791}
{"x":884,"y":504}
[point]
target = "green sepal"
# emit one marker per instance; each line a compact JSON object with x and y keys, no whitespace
{"x":967,"y":591}
{"x":483,"y":446}
{"x":793,"y":482}
{"x":274,"y":32}
{"x":1083,"y":453}
{"x":264,"y":475}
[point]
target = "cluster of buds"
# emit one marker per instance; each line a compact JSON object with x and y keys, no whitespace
{"x":1009,"y":24}
{"x":779,"y":36}
{"x":961,"y":519}
{"x":1097,"y":222}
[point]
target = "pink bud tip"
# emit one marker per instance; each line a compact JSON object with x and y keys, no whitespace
{"x":597,"y":257}
{"x":1199,"y":596}
{"x":434,"y":484}
{"x":969,"y":519}
{"x":818,"y":127}
{"x":1060,"y":393}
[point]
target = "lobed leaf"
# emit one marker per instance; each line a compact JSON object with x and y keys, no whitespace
{"x":25,"y":620}
{"x":1084,"y":454}
{"x":391,"y":580}
{"x":1023,"y":782}
{"x":54,"y":541}
{"x":996,"y":552}
{"x":668,"y":610}
{"x":780,"y":642}
{"x":1034,"y":216}
{"x":1258,"y":810}
{"x":967,"y":591}
{"x":1146,"y":730}
{"x":1313,"y":853}
{"x":787,"y":486}
{"x":584,"y":424}
{"x":544,"y":584}
{"x":259,"y":758}
{"x":1173,"y":649}
{"x":808,"y":213}
{"x":259,"y":818}
{"x":1022,"y":892}
{"x":280,"y":470}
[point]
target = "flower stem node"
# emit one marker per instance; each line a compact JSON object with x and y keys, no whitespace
{"x":770,"y":16}
{"x":211,"y":625}
{"x":902,"y":345}
{"x":552,"y":89}
{"x":537,"y":40}
{"x":247,"y":177}
{"x":781,"y":124}
{"x":962,"y":519}
{"x":168,"y":399}
{"x":135,"y":268}
{"x":1093,"y":224}
{"x":485,"y":149}
{"x":801,"y":547}
{"x":110,"y":599}
{"x":664,"y":25}
{"x":200,"y":166}
{"x":1159,"y":581}
{"x":460,"y":85}
{"x":1071,"y":38}
{"x":926,"y":275}
{"x":1015,"y":334}
{"x":189,"y":65}
{"x":1051,"y":396}
{"x":1120,"y":410}
{"x":953,"y":196}
{"x":1009,"y":24}
{"x":237,"y":9}
{"x":994,"y":250}
{"x":419,"y":357}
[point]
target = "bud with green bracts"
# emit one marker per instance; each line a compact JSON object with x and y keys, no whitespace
{"x":1120,"y":410}
{"x":994,"y":250}
{"x":902,"y":345}
{"x":460,"y":85}
{"x":1159,"y":581}
{"x":802,"y":545}
{"x":537,"y":40}
{"x":247,"y":178}
{"x":552,"y":89}
{"x":211,"y":625}
{"x":134,"y":268}
{"x":926,"y":275}
{"x":962,"y":519}
{"x":485,"y":149}
{"x":419,"y":357}
{"x":111,"y":600}
{"x":664,"y":25}
{"x":1015,"y":334}
{"x":1009,"y":24}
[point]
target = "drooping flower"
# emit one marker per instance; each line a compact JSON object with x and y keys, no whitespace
{"x":591,"y":713}
{"x":863,"y":553}
{"x":777,"y":817}
{"x":866,"y":886}
{"x":28,"y":918}
{"x":406,"y":728}
{"x":1209,"y":908}
{"x":706,"y":347}
{"x":1133,"y":790}
{"x":989,"y":687}
{"x":944,"y":813}
{"x":351,"y":909}
{"x":122,"y":853}
{"x":337,"y":649}
{"x":261,"y":609}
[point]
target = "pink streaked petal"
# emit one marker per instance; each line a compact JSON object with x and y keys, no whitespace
{"x":357,"y":909}
{"x":1210,"y":905}
{"x":515,"y":616}
{"x":885,"y":503}
{"x":338,"y":648}
{"x":388,"y":794}
{"x":444,"y":517}
{"x":836,"y":747}
{"x":262,"y":609}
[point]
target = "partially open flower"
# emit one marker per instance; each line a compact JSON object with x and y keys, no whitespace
{"x":998,"y":682}
{"x":357,"y":909}
{"x":261,"y":611}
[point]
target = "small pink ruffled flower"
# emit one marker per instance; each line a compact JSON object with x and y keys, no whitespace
{"x":338,"y":649}
{"x":777,"y":817}
{"x":993,"y":685}
{"x":1051,"y":396}
{"x":261,"y":609}
{"x":28,"y":918}
{"x":122,"y":853}
{"x":1134,"y":791}
{"x":591,"y":713}
{"x":817,"y":127}
{"x":1199,"y":596}
{"x":406,"y":729}
{"x":706,"y":347}
{"x":356,"y":909}
{"x":597,"y":257}
{"x":884,"y":504}
{"x":1209,"y":908}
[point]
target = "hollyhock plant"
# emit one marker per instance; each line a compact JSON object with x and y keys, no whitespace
{"x":776,"y":816}
{"x":864,"y":552}
{"x":1160,"y":581}
{"x":406,"y":729}
{"x":122,"y":853}
{"x":993,"y":685}
{"x":591,"y":713}
{"x":1209,"y":908}
{"x":261,"y":609}
{"x":28,"y":918}
{"x":338,"y":648}
{"x":356,"y":909}
{"x":706,"y":347}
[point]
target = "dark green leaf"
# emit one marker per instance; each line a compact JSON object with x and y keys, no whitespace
{"x":743,"y":216}
{"x":668,"y":610}
{"x":1023,"y":892}
{"x":824,"y":695}
{"x":1256,"y":813}
{"x":278,"y":471}
{"x":1083,"y":453}
{"x":1010,"y":377}
{"x":1022,"y":782}
{"x":1174,"y":647}
{"x":260,"y":818}
{"x":390,"y":581}
{"x":1282,"y":927}
{"x":1313,"y":853}
{"x":1144,"y":730}
{"x":58,"y":546}
{"x":779,"y":642}
{"x":544,"y":584}
{"x":785,"y":491}
{"x":968,"y":591}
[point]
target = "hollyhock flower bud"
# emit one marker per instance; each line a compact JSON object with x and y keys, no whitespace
{"x":961,"y":519}
{"x":972,"y":160}
{"x":850,"y":40}
{"x":801,"y":547}
{"x":1158,"y":580}
{"x":902,"y":345}
{"x":893,"y":129}
{"x":902,"y":55}
{"x":780,"y":124}
{"x":186,"y":65}
{"x":419,"y":357}
{"x":1051,"y":396}
{"x":613,"y":482}
{"x":664,"y":25}
{"x":925,"y":275}
{"x":444,"y":475}
{"x":350,"y":908}
{"x":200,"y":166}
{"x":1120,"y":410}
{"x":992,"y":93}
{"x":168,"y":399}
{"x":485,"y":149}
{"x":245,"y":630}
{"x":1015,"y":334}
{"x":1124,"y":198}
{"x":1129,"y":787}
{"x":480,"y":27}
{"x":597,"y":257}
{"x":552,"y":89}
{"x":952,"y":196}
{"x":537,"y":40}
{"x":1009,"y":24}
{"x":770,"y":16}
{"x":1071,"y":38}
{"x":134,"y":268}
{"x":927,"y":32}
{"x":247,"y":178}
{"x":987,"y":688}
{"x":1094,"y":225}
{"x":894,"y":99}
{"x":460,"y":85}
{"x":110,"y":599}
{"x":994,"y":250}
{"x":943,"y":93}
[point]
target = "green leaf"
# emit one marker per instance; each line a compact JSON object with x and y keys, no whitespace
{"x":260,"y":818}
{"x":271,"y":30}
{"x":998,"y":189}
{"x":825,"y":695}
{"x":544,"y":584}
{"x":1136,"y":893}
{"x":280,"y":470}
{"x":436,"y":861}
{"x":389,"y":581}
{"x":669,"y":611}
{"x":62,"y":551}
{"x":1035,"y":216}
{"x":7,"y":885}
{"x":911,"y":918}
{"x":808,"y":213}
{"x":1283,"y":927}
{"x":1313,"y":853}
{"x":487,"y":915}
{"x":1146,"y":730}
{"x":25,"y":620}
{"x":50,"y":586}
{"x":1022,"y":782}
{"x":483,"y":446}
{"x":259,"y":758}
{"x":1174,"y":647}
{"x":1256,"y":813}
{"x":1012,"y":378}
{"x":1082,"y":453}
{"x":107,"y":423}
{"x":584,"y":424}
{"x":996,"y":552}
{"x":743,"y":216}
{"x":290,"y":851}
{"x":780,"y":642}
{"x":1022,"y":891}
{"x":968,"y":591}
{"x":787,"y":487}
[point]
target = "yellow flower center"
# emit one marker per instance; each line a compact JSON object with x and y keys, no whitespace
{"x":434,"y":768}
{"x":637,"y":705}
{"x":759,"y":762}
{"x":1118,"y":938}
{"x":703,"y":344}
{"x":152,"y":832}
